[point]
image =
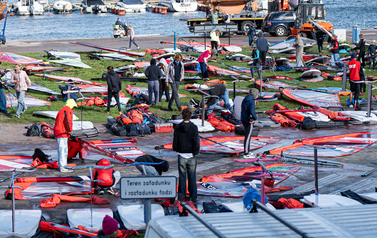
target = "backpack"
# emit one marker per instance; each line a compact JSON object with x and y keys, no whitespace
{"x":38,"y":153}
{"x":34,"y":130}
{"x":143,"y":129}
{"x":132,"y":130}
{"x":47,"y":129}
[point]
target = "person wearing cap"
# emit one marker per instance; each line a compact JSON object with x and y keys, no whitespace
{"x":256,"y":62}
{"x":110,"y":228}
{"x":334,"y":50}
{"x":63,"y":130}
{"x":248,"y":117}
{"x":262,"y":45}
{"x":114,"y":86}
{"x":215,"y":40}
{"x":153,"y":74}
{"x":250,"y":32}
{"x":299,"y":44}
{"x":120,"y":23}
{"x":22,"y":82}
{"x":354,"y":78}
{"x":372,"y":55}
{"x":203,"y":62}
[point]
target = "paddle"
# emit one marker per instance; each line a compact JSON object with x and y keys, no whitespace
{"x":218,"y":143}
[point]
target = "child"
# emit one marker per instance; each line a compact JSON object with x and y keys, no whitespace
{"x":109,"y":177}
{"x":110,"y":228}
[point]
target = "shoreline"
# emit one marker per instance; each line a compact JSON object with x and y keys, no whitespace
{"x":144,"y":41}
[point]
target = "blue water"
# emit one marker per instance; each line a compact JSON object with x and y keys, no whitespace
{"x":343,"y":14}
{"x":75,"y":25}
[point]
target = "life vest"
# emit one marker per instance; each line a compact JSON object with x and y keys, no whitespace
{"x":214,"y":81}
{"x":284,"y":121}
{"x":292,"y":115}
{"x":219,"y":123}
{"x":336,"y":116}
{"x":106,"y":175}
{"x":135,"y":116}
{"x":331,"y":77}
{"x":90,"y":102}
{"x":99,"y":102}
{"x":47,"y":130}
{"x":290,"y":203}
{"x":74,"y":147}
{"x":123,"y":120}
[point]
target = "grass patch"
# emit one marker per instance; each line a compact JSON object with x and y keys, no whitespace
{"x":97,"y":114}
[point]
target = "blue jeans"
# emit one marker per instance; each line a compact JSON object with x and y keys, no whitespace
{"x":257,"y":68}
{"x":153,"y":88}
{"x":203,"y":68}
{"x":251,"y":39}
{"x":132,"y":41}
{"x":21,"y":104}
{"x":187,"y":167}
{"x":224,"y":97}
{"x":372,"y":59}
{"x":320,"y":46}
{"x":334,"y":59}
{"x":3,"y":101}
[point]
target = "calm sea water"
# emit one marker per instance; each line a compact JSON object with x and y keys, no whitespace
{"x":342,"y":13}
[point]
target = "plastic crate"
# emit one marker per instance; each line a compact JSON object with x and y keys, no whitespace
{"x":163,"y":127}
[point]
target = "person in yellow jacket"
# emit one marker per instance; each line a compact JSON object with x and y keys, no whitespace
{"x":215,"y":40}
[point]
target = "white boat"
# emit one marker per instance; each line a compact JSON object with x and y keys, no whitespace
{"x":35,"y":8}
{"x":179,"y":5}
{"x":22,"y":8}
{"x":93,"y":6}
{"x":131,"y":5}
{"x":62,"y":7}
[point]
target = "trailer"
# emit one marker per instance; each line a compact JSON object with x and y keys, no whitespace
{"x":236,"y":25}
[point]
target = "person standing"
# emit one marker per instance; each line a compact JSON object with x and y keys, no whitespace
{"x":164,"y":88}
{"x":299,"y":44}
{"x":372,"y":55}
{"x":208,"y":11}
{"x":250,"y":32}
{"x":361,"y":47}
{"x":220,"y":91}
{"x":174,"y":76}
{"x":186,"y":143}
{"x":3,"y":99}
{"x":22,"y":81}
{"x":63,"y":130}
{"x":319,"y":35}
{"x":262,"y":45}
{"x":226,"y":18}
{"x":354,"y":68}
{"x":215,"y":40}
{"x":131,"y":33}
{"x":334,"y":50}
{"x":153,"y":74}
{"x":215,"y":16}
{"x":248,"y":117}
{"x":256,"y":62}
{"x":203,"y":62}
{"x":114,"y":86}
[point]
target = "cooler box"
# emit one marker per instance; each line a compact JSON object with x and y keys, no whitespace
{"x":163,"y":127}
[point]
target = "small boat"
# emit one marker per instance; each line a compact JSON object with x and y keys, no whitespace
{"x":35,"y":8}
{"x":22,"y":8}
{"x":62,"y":7}
{"x":132,"y":6}
{"x":93,"y":6}
{"x":179,"y":5}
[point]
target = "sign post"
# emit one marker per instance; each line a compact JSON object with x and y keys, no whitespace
{"x":148,"y":187}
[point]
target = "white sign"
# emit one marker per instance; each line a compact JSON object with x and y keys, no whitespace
{"x":148,"y":187}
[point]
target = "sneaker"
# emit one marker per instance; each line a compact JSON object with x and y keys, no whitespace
{"x":138,"y":48}
{"x":101,"y":191}
{"x":249,"y":156}
{"x":17,"y":116}
{"x":110,"y":191}
{"x":170,"y":109}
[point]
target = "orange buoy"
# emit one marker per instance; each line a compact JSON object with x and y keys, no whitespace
{"x":81,"y":13}
{"x":49,"y":14}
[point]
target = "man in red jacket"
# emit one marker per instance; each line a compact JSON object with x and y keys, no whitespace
{"x":354,"y":68}
{"x":63,"y":130}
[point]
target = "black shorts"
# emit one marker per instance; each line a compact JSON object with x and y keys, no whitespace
{"x":354,"y":87}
